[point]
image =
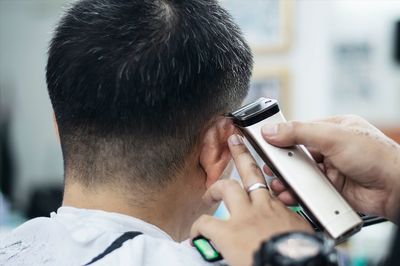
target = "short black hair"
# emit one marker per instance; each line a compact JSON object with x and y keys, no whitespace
{"x":133,"y":83}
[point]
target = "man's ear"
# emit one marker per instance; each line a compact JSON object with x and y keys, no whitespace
{"x":56,"y":127}
{"x":215,"y":154}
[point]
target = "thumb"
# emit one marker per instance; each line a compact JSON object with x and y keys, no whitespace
{"x":207,"y":226}
{"x":321,"y":136}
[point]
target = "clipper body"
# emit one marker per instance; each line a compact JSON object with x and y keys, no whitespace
{"x":296,"y":168}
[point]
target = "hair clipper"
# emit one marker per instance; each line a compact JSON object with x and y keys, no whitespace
{"x":296,"y":168}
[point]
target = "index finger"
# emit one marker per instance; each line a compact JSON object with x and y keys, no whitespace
{"x":248,"y":169}
{"x":207,"y":226}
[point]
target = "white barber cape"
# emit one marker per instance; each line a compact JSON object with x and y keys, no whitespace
{"x":77,"y":236}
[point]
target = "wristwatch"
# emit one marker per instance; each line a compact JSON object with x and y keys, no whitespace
{"x":297,"y":249}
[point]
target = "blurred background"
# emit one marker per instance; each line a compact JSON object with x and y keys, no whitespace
{"x":317,"y":57}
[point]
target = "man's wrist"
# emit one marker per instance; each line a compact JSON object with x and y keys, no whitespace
{"x":392,"y":205}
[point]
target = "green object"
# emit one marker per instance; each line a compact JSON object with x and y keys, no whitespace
{"x":296,"y":208}
{"x":359,"y":261}
{"x":207,"y":251}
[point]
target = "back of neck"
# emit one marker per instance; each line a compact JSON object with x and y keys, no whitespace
{"x":160,"y":209}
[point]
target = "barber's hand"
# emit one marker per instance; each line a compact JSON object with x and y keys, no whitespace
{"x":254,"y":217}
{"x":360,"y":160}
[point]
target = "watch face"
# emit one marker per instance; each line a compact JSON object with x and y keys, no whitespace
{"x":298,"y":247}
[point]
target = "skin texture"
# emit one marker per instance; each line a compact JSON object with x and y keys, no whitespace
{"x":360,"y":161}
{"x":254,"y":217}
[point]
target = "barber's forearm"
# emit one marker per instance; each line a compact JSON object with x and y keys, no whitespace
{"x":392,"y":207}
{"x":391,"y":166}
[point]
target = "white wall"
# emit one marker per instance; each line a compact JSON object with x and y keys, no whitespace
{"x":373,"y":22}
{"x":318,"y":27}
{"x":307,"y":60}
{"x":25,"y":28}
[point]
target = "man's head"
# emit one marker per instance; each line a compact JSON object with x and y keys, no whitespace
{"x":135,"y":83}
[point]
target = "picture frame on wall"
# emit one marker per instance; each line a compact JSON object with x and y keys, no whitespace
{"x":267,"y":24}
{"x":271,"y":83}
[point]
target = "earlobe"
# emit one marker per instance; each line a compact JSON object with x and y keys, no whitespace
{"x":215,"y":154}
{"x":56,"y":127}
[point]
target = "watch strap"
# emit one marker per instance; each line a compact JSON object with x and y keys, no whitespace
{"x":267,"y":254}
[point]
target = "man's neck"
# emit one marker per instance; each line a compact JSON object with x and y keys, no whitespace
{"x":167,"y":209}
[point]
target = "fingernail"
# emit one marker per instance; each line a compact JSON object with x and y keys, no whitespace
{"x":270,"y":130}
{"x":235,"y":139}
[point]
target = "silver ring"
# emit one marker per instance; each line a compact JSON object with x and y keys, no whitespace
{"x":256,"y":186}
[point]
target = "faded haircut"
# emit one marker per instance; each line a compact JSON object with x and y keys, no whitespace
{"x":134,"y":82}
